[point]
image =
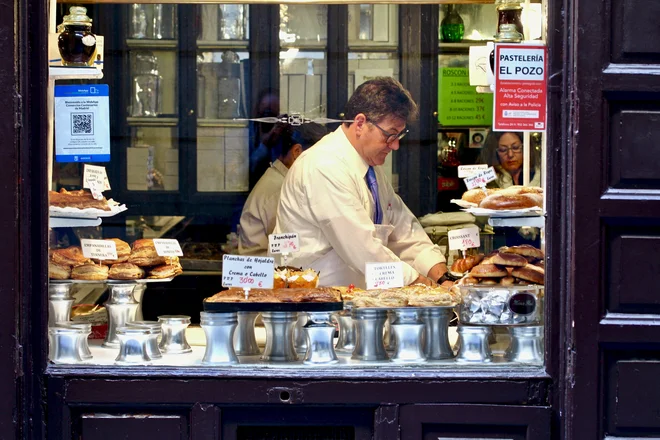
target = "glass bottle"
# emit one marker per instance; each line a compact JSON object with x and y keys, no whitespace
{"x":507,"y":34}
{"x":229,"y":86}
{"x":146,"y":86}
{"x":138,"y":21}
{"x":509,"y":12}
{"x":76,"y":42}
{"x":452,"y":26}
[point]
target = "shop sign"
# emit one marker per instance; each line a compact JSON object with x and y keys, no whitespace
{"x":459,"y":104}
{"x":99,"y":249}
{"x":520,"y":87}
{"x":168,"y":247}
{"x":82,"y":123}
{"x":481,"y":178}
{"x":283,"y":243}
{"x":384,"y":275}
{"x":247,"y":272}
{"x":464,"y":238}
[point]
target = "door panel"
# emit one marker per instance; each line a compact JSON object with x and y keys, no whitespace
{"x":613,"y":160}
{"x":133,"y":426}
{"x":482,"y":422}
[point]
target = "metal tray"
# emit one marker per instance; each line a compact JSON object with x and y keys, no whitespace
{"x":272,"y":307}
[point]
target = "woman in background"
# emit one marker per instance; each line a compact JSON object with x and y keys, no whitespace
{"x":504,"y":151}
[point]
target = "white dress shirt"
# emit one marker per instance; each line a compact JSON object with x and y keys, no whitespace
{"x":325,"y":199}
{"x":258,"y":216}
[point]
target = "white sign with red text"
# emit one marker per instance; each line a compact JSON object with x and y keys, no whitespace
{"x":481,"y":178}
{"x":465,"y":238}
{"x":384,"y":275}
{"x":521,"y":87}
{"x":247,"y":272}
{"x":283,"y":243}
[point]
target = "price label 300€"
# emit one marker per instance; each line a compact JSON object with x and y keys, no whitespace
{"x":247,"y":272}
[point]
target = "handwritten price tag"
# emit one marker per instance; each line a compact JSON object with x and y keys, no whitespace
{"x":283,"y":243}
{"x":99,"y":249}
{"x":384,"y":275}
{"x":465,"y":238}
{"x":96,"y":179}
{"x":481,"y":178}
{"x":247,"y":272}
{"x":470,"y":170}
{"x":168,"y":247}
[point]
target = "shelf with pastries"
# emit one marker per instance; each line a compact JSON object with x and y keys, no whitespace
{"x":513,"y":206}
{"x":138,"y":263}
{"x":80,"y":209}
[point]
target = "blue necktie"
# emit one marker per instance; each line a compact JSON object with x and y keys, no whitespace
{"x":372,"y":183}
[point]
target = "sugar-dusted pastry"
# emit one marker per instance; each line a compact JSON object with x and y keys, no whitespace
{"x":58,"y":271}
{"x":91,"y":272}
{"x":125,"y":271}
{"x":303,"y":279}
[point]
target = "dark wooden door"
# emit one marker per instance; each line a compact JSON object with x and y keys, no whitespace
{"x":613,"y":326}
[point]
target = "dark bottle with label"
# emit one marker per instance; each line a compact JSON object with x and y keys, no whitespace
{"x":452,"y":26}
{"x":507,"y":34}
{"x":76,"y":42}
{"x":509,"y":12}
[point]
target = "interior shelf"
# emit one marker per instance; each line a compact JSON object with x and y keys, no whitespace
{"x":63,"y":72}
{"x":536,"y":222}
{"x":68,"y":222}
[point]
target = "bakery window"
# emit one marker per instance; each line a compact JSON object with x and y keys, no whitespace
{"x":210,"y":106}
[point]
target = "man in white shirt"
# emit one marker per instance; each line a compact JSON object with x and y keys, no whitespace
{"x":258,"y":216}
{"x":326,"y":198}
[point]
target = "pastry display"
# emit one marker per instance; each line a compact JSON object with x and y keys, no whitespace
{"x":80,"y":199}
{"x":71,"y":256}
{"x":90,"y":272}
{"x":144,"y":253}
{"x":462,"y":265}
{"x":417,"y":295}
{"x":295,"y":278}
{"x":123,"y":251}
{"x":166,"y":271}
{"x":525,"y":250}
{"x":488,"y":270}
{"x":508,"y":266}
{"x":58,"y":271}
{"x":125,"y":271}
{"x":513,"y":197}
{"x":286,"y":295}
{"x":504,"y":259}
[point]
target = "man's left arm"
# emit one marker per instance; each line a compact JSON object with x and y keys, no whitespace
{"x":409,"y":241}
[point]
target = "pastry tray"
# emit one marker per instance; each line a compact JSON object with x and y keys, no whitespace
{"x":88,"y":213}
{"x":139,"y":281}
{"x":406,"y":308}
{"x":482,"y":212}
{"x":272,"y":307}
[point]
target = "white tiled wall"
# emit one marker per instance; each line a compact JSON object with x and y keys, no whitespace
{"x":222,"y":159}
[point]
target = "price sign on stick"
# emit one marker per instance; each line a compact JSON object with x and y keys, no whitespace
{"x":384,"y":275}
{"x":168,"y":247}
{"x":247,"y":272}
{"x":470,"y":170}
{"x":464,"y":238}
{"x":480,"y":179}
{"x":99,"y":249}
{"x":96,"y":179}
{"x":283,"y":243}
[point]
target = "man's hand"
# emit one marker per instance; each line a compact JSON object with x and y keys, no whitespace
{"x":437,"y":271}
{"x":424,"y":280}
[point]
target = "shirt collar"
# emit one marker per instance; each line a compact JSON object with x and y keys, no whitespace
{"x":350,"y":154}
{"x":280,"y":167}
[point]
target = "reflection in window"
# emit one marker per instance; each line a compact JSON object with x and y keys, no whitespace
{"x":222,"y":84}
{"x":370,"y":24}
{"x":303,"y":77}
{"x":223,"y":23}
{"x":303,"y":24}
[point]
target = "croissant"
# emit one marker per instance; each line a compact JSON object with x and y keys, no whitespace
{"x":463,"y":265}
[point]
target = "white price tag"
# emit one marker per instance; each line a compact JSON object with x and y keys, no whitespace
{"x":384,"y":275}
{"x":283,"y":243}
{"x":464,"y":238}
{"x":247,"y":272}
{"x":96,"y":179}
{"x":168,"y":247}
{"x":470,"y":170}
{"x":99,"y":249}
{"x":481,"y":178}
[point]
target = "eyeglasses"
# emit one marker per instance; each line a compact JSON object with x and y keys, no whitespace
{"x":515,"y":148}
{"x":391,"y":137}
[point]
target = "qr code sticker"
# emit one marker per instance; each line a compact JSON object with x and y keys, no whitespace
{"x":82,"y":123}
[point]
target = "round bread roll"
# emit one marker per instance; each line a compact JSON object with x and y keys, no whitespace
{"x":477,"y":195}
{"x":90,"y":272}
{"x":58,"y":271}
{"x":125,"y":271}
{"x":508,"y":281}
{"x":487,"y":271}
{"x":505,"y":259}
{"x":504,"y":201}
{"x":530,"y":273}
{"x":525,"y":250}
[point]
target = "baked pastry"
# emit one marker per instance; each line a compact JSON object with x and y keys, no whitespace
{"x":487,"y":270}
{"x":519,"y":189}
{"x":144,"y":254}
{"x":504,"y":259}
{"x":91,"y":271}
{"x":490,"y":282}
{"x":279,"y":278}
{"x":71,"y":256}
{"x":303,"y":279}
{"x":123,"y":252}
{"x":509,"y":201}
{"x":165,"y":271}
{"x":508,"y":281}
{"x":80,"y":199}
{"x":125,"y":271}
{"x":477,"y":195}
{"x":58,"y":271}
{"x":531,"y":273}
{"x":463,"y":265}
{"x":525,"y":250}
{"x":320,"y":294}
